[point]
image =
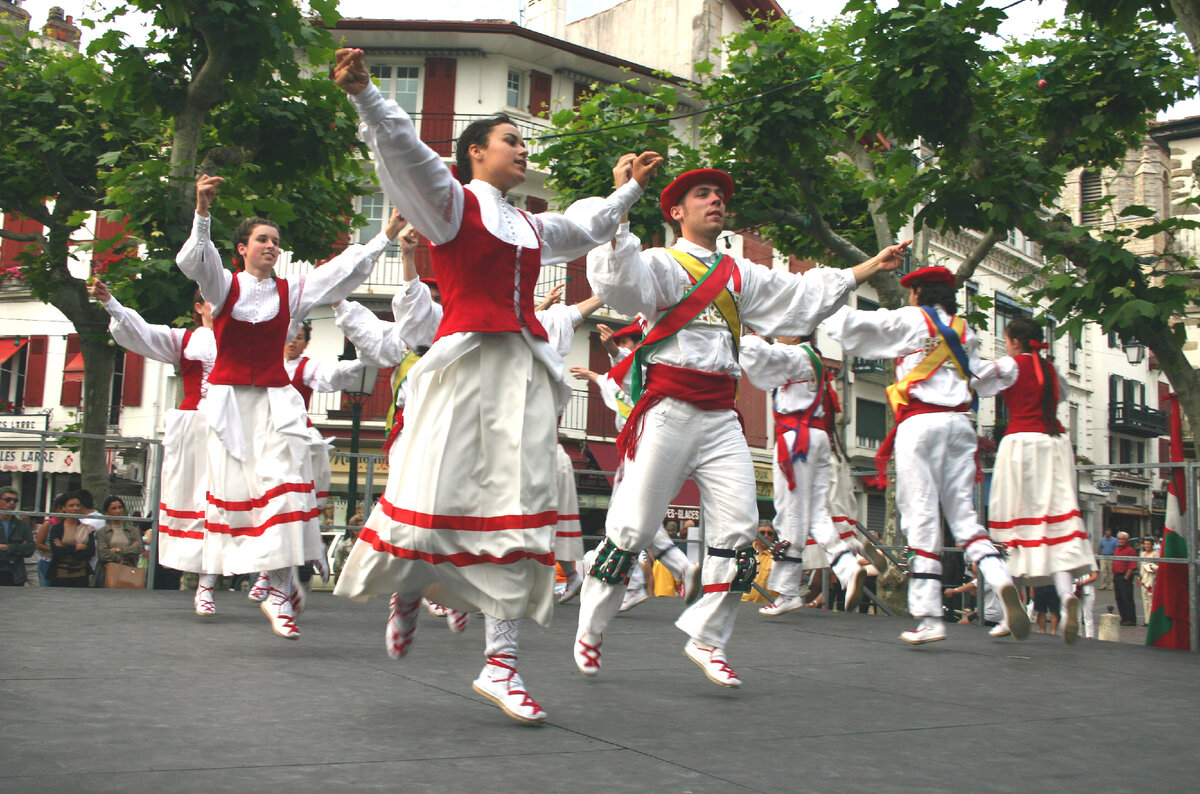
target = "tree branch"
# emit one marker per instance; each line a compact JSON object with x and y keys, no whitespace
{"x":982,"y":248}
{"x":67,"y":188}
{"x":22,"y":237}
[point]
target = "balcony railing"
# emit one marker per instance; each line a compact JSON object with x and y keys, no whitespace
{"x":869,"y":366}
{"x":441,"y":130}
{"x":1137,"y":420}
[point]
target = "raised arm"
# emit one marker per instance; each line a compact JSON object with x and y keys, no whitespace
{"x":132,"y":332}
{"x":593,"y":221}
{"x":198,"y":259}
{"x":628,"y":279}
{"x":377,"y":341}
{"x":329,"y":376}
{"x":413,"y":176}
{"x":417,"y":315}
{"x":772,"y":366}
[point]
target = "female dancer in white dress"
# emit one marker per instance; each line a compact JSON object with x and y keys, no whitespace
{"x":261,"y":512}
{"x":1033,"y":507}
{"x":473,"y":527}
{"x":181,"y":511}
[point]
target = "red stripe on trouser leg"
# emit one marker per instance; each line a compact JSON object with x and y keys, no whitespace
{"x":926,"y":554}
{"x":717,"y":588}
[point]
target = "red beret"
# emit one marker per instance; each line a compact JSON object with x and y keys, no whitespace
{"x":634,"y":329}
{"x":928,"y":275}
{"x":673,"y":193}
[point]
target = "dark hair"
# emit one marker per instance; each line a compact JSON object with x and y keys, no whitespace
{"x":56,"y":505}
{"x":1022,"y":331}
{"x":85,"y":498}
{"x":477,"y":132}
{"x":197,"y":300}
{"x":113,"y":500}
{"x":306,"y":329}
{"x":241,"y":235}
{"x":937,"y":294}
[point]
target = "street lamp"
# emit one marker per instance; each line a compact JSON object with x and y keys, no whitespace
{"x":357,"y":393}
{"x":1135,"y":352}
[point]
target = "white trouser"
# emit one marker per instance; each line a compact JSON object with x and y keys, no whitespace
{"x":803,"y":511}
{"x":935,"y":468}
{"x":1087,"y":603}
{"x":666,"y":552}
{"x":678,"y":439}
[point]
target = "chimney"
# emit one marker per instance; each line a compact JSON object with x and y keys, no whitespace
{"x":61,"y":28}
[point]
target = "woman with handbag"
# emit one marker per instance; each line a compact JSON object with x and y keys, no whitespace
{"x":118,"y":543}
{"x":72,"y":546}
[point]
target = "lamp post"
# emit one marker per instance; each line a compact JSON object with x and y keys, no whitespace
{"x":1135,"y":352}
{"x":357,"y":393}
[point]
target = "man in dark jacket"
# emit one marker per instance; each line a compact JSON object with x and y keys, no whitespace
{"x":16,"y":540}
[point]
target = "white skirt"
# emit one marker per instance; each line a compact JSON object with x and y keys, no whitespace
{"x":470,"y":508}
{"x":568,"y":533}
{"x":1033,"y":508}
{"x":184,"y":484}
{"x":319,"y":460}
{"x":262,"y":511}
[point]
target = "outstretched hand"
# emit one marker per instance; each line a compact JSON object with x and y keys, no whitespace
{"x":350,"y":71}
{"x":206,"y":192}
{"x":892,"y":257}
{"x":99,"y":290}
{"x":583,"y":373}
{"x":644,"y":166}
{"x":395,"y":225}
{"x":552,"y":297}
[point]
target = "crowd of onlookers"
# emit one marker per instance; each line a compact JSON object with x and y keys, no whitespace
{"x":73,"y":549}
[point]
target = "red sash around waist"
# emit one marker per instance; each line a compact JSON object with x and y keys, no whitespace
{"x":913,"y":408}
{"x":707,"y":391}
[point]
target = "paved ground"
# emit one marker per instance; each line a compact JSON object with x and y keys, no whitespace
{"x":128,"y":691}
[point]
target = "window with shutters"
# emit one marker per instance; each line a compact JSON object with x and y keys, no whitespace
{"x":401,"y":83}
{"x":14,"y":352}
{"x":870,"y":422}
{"x":1091,"y":190}
{"x":513,"y":89}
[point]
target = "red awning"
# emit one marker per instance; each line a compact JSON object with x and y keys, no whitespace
{"x":73,"y":372}
{"x":9,"y":348}
{"x":608,"y":460}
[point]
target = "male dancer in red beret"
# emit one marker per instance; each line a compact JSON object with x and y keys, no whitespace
{"x":934,"y":440}
{"x":695,"y":301}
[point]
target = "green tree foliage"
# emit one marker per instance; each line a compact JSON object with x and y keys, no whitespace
{"x":60,"y":137}
{"x":239,"y":100}
{"x":219,"y":87}
{"x":587,"y":141}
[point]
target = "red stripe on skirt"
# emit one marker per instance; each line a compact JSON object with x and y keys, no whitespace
{"x":1037,"y":520}
{"x":257,"y":531}
{"x":261,"y":501}
{"x":181,"y":513}
{"x":1025,"y":544}
{"x":180,"y":533}
{"x":566,"y":517}
{"x":843,"y":520}
{"x":467,"y":523}
{"x":458,"y":559}
{"x":568,"y":534}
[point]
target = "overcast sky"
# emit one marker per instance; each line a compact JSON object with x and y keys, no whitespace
{"x":1024,"y":17}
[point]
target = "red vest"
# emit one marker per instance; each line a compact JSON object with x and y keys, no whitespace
{"x":1024,"y":398}
{"x":306,"y":392}
{"x":192,"y":372}
{"x":251,"y":354}
{"x":477,"y":274}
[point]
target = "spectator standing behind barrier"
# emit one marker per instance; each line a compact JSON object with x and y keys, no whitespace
{"x":1108,"y":545}
{"x":72,"y":545}
{"x":41,"y":540}
{"x":1147,"y":575}
{"x":1123,"y":573}
{"x":116,"y":541}
{"x":765,"y":530}
{"x":16,"y":540}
